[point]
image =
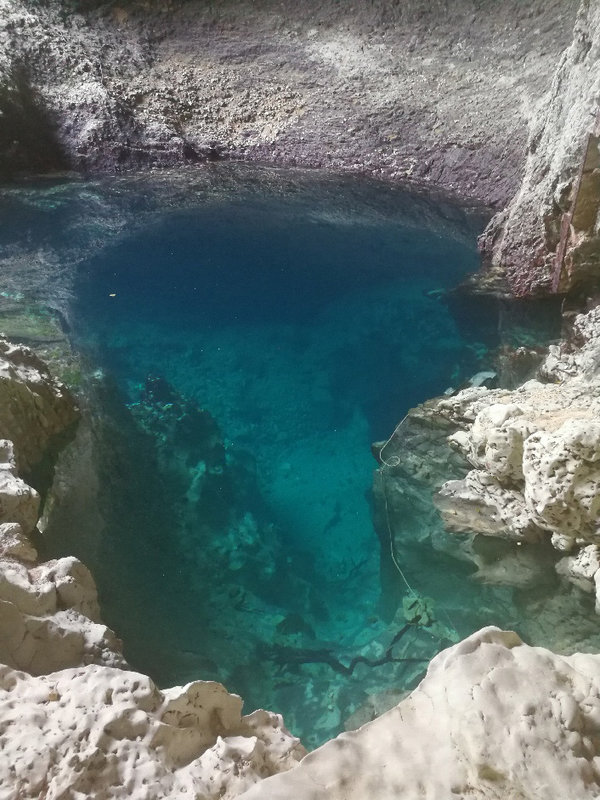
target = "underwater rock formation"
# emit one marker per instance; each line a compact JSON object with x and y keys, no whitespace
{"x":494,"y":718}
{"x":547,"y":239}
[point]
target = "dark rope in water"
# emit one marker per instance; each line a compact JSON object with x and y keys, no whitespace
{"x":296,"y":655}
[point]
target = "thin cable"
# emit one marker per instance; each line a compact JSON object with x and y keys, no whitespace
{"x":394,"y":462}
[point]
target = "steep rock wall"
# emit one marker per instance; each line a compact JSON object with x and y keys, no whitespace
{"x":439,"y":92}
{"x":555,"y":205}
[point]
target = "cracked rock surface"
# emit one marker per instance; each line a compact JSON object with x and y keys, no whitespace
{"x":521,"y":245}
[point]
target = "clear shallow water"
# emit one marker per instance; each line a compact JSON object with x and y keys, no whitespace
{"x":295,"y":322}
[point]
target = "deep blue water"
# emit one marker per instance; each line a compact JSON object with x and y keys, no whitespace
{"x":284,"y":327}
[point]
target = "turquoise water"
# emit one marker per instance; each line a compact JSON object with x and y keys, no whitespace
{"x":250,"y":339}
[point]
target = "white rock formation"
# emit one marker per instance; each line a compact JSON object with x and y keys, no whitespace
{"x":97,"y":732}
{"x":19,"y":503}
{"x":34,"y":407}
{"x":49,"y":615}
{"x":535,"y":452}
{"x":494,"y":718}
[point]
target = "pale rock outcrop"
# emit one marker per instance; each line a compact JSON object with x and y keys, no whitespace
{"x":521,"y":244}
{"x":34,"y":407}
{"x":104,"y":733}
{"x":494,"y":718}
{"x":19,"y":503}
{"x":535,"y":452}
{"x":581,"y":568}
{"x":49,"y":614}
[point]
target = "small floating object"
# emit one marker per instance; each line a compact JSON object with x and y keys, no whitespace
{"x":112,"y":294}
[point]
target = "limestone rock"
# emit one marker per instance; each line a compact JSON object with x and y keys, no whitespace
{"x":521,"y":243}
{"x":19,"y":503}
{"x":494,"y":718}
{"x":534,"y":454}
{"x":478,"y":504}
{"x":582,"y":567}
{"x":562,"y":479}
{"x":368,"y":87}
{"x":535,"y":451}
{"x":49,"y":614}
{"x":14,"y":543}
{"x":35,"y":409}
{"x":49,"y":617}
{"x":103,"y":733}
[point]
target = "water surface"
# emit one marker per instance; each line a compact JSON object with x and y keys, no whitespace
{"x":252,"y":334}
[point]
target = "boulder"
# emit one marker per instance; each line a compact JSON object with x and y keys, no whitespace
{"x":104,"y":733}
{"x":35,"y":408}
{"x":494,"y":718}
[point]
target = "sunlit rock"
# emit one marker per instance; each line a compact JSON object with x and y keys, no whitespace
{"x":106,"y":733}
{"x":19,"y":503}
{"x":494,"y":718}
{"x":536,"y":452}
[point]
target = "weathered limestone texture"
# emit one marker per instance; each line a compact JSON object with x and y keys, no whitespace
{"x":535,"y":453}
{"x":105,"y":733}
{"x":521,"y":243}
{"x":494,"y":718}
{"x":49,"y":615}
{"x":35,"y":409}
{"x":370,"y":87}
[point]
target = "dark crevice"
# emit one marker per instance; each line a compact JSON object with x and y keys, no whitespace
{"x":28,"y":140}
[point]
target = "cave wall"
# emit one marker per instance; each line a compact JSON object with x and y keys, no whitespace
{"x":438,"y":92}
{"x":521,"y":246}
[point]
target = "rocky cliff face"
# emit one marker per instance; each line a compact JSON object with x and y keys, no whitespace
{"x":49,"y":614}
{"x":436,"y":92}
{"x":548,"y":239}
